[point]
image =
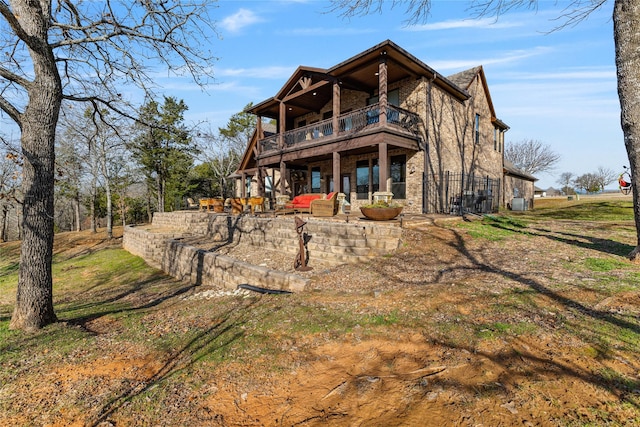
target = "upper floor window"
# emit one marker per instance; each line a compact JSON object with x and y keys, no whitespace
{"x":495,"y":138}
{"x":477,"y":129}
{"x":393,"y":98}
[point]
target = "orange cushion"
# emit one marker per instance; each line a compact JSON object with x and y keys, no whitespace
{"x":304,"y":200}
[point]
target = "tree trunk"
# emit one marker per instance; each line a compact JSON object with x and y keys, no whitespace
{"x":92,"y":206}
{"x":626,"y":29}
{"x":107,"y":188}
{"x":76,"y":211}
{"x":160,"y":187}
{"x":34,"y":297}
{"x":3,"y":224}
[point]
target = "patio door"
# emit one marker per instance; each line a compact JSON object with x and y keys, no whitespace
{"x":346,"y":186}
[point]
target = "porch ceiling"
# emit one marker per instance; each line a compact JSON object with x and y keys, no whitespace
{"x":363,"y":77}
{"x":357,"y":73}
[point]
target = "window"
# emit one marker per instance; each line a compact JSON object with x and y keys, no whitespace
{"x":477,"y":129}
{"x":367,"y":178}
{"x":362,"y":179}
{"x":399,"y":176}
{"x":268,"y":187}
{"x":315,"y":180}
{"x":345,"y":123}
{"x":375,"y":177}
{"x":393,"y":98}
{"x":495,"y":139}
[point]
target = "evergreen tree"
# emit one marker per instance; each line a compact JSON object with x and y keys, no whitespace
{"x":164,"y":149}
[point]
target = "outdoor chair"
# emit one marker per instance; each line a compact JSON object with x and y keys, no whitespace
{"x":327,"y":206}
{"x":256,"y":203}
{"x":192,"y":204}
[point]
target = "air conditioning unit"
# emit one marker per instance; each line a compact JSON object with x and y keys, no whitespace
{"x":519,"y":204}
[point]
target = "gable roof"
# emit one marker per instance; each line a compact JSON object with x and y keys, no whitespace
{"x":248,"y":160}
{"x":465,"y":78}
{"x":309,"y":88}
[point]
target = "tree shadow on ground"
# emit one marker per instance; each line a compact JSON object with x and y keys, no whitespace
{"x":467,"y":261}
{"x":204,"y":342}
{"x":567,"y":303}
{"x":585,"y":241}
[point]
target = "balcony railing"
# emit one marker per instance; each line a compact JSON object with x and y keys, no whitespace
{"x":349,"y":123}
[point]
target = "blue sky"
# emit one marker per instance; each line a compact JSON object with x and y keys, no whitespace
{"x":558,"y":88}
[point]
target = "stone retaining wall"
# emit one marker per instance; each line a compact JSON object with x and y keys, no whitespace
{"x":334,"y":242}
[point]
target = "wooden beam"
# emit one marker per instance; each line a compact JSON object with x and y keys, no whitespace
{"x":383,"y":163}
{"x":311,"y":88}
{"x":336,"y":172}
{"x":282,"y":123}
{"x":336,"y":108}
{"x":382,"y":89}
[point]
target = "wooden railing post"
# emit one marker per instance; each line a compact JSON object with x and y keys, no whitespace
{"x":382,"y":88}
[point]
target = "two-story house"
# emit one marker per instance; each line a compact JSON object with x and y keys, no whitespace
{"x":382,"y":121}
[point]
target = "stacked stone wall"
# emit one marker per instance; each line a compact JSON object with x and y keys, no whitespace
{"x":334,"y":242}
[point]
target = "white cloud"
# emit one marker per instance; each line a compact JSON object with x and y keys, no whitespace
{"x":596,"y":74}
{"x":239,"y":20}
{"x":505,"y":58}
{"x":324,"y":32}
{"x":489,"y":23}
{"x":272,"y":72}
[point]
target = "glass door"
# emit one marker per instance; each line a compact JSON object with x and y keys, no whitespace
{"x":346,"y":186}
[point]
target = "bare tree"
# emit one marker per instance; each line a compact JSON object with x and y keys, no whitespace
{"x":9,"y":188}
{"x":605,"y":177}
{"x":565,"y":180}
{"x":531,"y":156}
{"x":224,"y":150}
{"x":626,"y":21}
{"x":588,"y":182}
{"x":84,"y":52}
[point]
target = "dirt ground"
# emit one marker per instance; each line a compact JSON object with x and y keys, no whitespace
{"x":403,"y":374}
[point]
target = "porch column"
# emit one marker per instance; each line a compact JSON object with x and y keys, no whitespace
{"x":259,"y":135}
{"x":337,"y":182}
{"x":260,"y":177}
{"x":282,"y":122}
{"x":335,"y":123}
{"x":243,"y":183}
{"x":382,"y":166}
{"x":382,"y":87}
{"x":283,"y":174}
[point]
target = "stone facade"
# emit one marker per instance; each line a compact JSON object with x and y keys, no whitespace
{"x":164,"y":245}
{"x":458,"y":132}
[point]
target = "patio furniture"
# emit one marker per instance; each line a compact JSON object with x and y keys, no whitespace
{"x":302,"y":202}
{"x":281,"y":201}
{"x":192,"y":204}
{"x":237,"y":205}
{"x":256,"y":203}
{"x":327,"y":206}
{"x":216,"y":204}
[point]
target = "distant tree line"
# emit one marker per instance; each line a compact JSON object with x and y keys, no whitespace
{"x":590,"y":183}
{"x":112,"y":170}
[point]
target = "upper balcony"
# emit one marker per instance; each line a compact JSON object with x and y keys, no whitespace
{"x":350,"y":125}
